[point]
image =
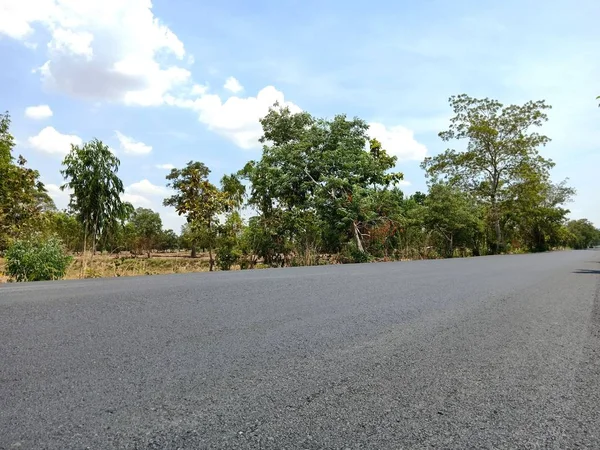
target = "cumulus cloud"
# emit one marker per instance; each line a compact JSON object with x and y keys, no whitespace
{"x":60,"y":198}
{"x":136,"y":200}
{"x":233,"y":85}
{"x":53,"y":142}
{"x":145,"y":187}
{"x":236,"y":119}
{"x":199,"y":89}
{"x":38,"y":112}
{"x":165,"y":166}
{"x":104,"y":50}
{"x":398,"y":141}
{"x":144,"y":194}
{"x":131,"y":146}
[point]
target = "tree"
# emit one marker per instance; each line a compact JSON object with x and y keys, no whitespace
{"x":148,"y":228}
{"x":168,"y":240}
{"x":23,"y":197}
{"x":199,"y":200}
{"x":67,"y":228}
{"x":582,"y":234}
{"x":454,"y":216}
{"x":309,"y":176}
{"x":536,"y":211}
{"x":90,"y":171}
{"x":501,"y":149}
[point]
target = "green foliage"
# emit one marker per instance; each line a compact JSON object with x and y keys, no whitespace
{"x":351,"y":254}
{"x":23,"y":198}
{"x":90,"y":172}
{"x":147,"y":226}
{"x":322,"y":189}
{"x":168,"y":240}
{"x":501,"y":152}
{"x":67,"y":228}
{"x":37,"y":260}
{"x":454,"y":217}
{"x":311,"y":178}
{"x":200,"y":201}
{"x":581,"y":234}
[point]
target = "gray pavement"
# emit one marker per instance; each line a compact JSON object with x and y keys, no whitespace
{"x":490,"y":352}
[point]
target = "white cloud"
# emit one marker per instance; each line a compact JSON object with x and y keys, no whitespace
{"x":398,"y":141}
{"x":52,"y":142}
{"x":233,"y":85}
{"x":60,"y":198}
{"x":71,"y":42}
{"x":106,"y":50}
{"x":145,"y":187}
{"x":165,"y":166}
{"x":237,"y":119}
{"x":199,"y":89}
{"x":131,"y":146}
{"x":404,"y":183}
{"x":144,"y":194}
{"x":136,"y":200}
{"x":38,"y":112}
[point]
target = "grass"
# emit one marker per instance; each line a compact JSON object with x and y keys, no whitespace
{"x":104,"y":266}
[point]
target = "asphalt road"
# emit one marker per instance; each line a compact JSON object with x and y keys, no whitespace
{"x":490,"y":352}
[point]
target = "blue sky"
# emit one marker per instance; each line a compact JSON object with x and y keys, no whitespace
{"x":166,"y":82}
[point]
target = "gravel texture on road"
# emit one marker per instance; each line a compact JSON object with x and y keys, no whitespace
{"x":491,"y":352}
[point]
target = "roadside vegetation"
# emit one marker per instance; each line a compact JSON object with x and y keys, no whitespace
{"x":322,"y":192}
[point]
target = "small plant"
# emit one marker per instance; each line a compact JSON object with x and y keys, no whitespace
{"x":351,"y":254}
{"x":37,"y":260}
{"x":227,"y":255}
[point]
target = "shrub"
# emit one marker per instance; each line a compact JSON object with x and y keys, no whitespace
{"x":351,"y":254}
{"x":36,"y":260}
{"x":227,"y":254}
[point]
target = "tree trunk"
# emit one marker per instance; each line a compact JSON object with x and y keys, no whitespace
{"x":193,"y":252}
{"x":211,"y":262}
{"x":357,"y":237}
{"x":83,"y":263}
{"x":498,"y":234}
{"x":451,"y":245}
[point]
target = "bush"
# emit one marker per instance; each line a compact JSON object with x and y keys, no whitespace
{"x":227,"y":255}
{"x":37,"y":260}
{"x":351,"y":254}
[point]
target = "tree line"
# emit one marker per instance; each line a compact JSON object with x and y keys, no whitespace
{"x":322,"y":189}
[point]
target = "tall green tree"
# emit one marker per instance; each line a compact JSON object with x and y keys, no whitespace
{"x":501,"y":148}
{"x":23,"y":197}
{"x":90,"y":171}
{"x":310,"y":176}
{"x":200,"y":201}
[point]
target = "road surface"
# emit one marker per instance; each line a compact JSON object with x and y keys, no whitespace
{"x":490,"y":352}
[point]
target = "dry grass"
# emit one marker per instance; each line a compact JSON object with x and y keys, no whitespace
{"x":3,"y":278}
{"x":104,"y":266}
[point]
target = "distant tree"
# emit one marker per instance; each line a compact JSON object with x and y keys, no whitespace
{"x":454,"y":216}
{"x":90,"y":171}
{"x":68,"y":229}
{"x":148,"y":228}
{"x":199,"y":200}
{"x":168,"y":240}
{"x":583,"y":234}
{"x":500,"y":149}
